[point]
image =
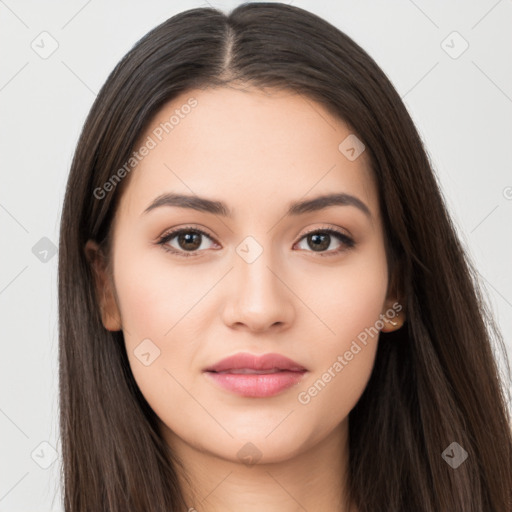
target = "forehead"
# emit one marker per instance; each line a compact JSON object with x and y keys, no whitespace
{"x":248,"y":147}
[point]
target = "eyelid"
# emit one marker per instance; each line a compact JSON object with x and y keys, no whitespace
{"x":327,"y":227}
{"x":187,"y":227}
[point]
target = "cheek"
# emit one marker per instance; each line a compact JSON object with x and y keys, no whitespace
{"x":346,"y":298}
{"x":161,"y":311}
{"x":159,"y":351}
{"x":155,"y":296}
{"x":349,"y":303}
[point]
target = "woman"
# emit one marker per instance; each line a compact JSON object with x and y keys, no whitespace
{"x":263,"y":301}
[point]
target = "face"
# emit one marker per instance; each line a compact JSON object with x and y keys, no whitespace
{"x":261,"y":274}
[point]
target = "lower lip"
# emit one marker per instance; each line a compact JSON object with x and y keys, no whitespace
{"x":257,"y":385}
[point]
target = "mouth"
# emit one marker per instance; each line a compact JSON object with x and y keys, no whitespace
{"x":255,"y":376}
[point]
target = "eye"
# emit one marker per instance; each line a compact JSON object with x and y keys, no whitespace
{"x":188,"y":239}
{"x":320,"y":239}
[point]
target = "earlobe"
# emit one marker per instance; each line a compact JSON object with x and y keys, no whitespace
{"x":105,"y":298}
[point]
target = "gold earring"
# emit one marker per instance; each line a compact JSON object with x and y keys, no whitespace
{"x":396,"y":324}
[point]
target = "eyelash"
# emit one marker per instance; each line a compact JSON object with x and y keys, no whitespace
{"x":346,"y":240}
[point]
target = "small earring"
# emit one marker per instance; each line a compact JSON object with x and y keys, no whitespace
{"x":393,"y":323}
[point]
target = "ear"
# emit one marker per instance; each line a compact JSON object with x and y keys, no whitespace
{"x":105,"y":297}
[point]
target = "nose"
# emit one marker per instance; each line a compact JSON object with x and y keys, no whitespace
{"x":259,"y":298}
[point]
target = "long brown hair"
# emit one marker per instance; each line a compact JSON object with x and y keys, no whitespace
{"x":435,"y":381}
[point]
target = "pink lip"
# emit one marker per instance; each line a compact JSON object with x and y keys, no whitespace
{"x":258,"y":385}
{"x":250,"y":361}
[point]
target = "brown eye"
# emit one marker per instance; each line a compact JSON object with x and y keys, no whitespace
{"x":187,"y":241}
{"x":321,"y":239}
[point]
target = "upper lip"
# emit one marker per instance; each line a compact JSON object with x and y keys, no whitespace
{"x":254,"y":362}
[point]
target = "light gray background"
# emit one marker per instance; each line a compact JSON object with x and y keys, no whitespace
{"x":462,"y":107}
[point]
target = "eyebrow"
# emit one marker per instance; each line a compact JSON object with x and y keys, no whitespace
{"x":219,"y":208}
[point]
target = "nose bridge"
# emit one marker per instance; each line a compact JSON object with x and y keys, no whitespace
{"x":252,"y":265}
{"x":259,"y":298}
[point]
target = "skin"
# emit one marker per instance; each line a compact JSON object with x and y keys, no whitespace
{"x":257,"y":152}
